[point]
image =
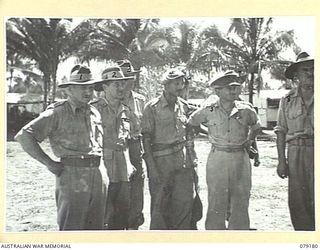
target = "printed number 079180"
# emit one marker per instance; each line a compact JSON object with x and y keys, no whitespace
{"x":306,"y":246}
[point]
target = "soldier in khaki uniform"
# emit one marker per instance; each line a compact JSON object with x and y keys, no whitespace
{"x":295,"y":127}
{"x":136,"y":103}
{"x":75,"y":133}
{"x":116,"y":127}
{"x":232,"y":126}
{"x":163,"y":130}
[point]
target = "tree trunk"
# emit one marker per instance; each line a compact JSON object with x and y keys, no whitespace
{"x":54,"y":87}
{"x":250,"y":88}
{"x":54,"y":79}
{"x":46,"y":86}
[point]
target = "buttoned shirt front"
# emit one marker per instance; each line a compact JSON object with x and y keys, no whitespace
{"x":226,"y":130}
{"x":136,"y":103}
{"x":162,"y":123}
{"x":116,"y":127}
{"x":72,"y":131}
{"x":295,"y":118}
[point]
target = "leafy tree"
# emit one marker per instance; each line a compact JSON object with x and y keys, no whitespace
{"x":250,"y":46}
{"x":141,"y":41}
{"x":41,"y":40}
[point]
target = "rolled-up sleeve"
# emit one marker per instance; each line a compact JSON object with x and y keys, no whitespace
{"x":41,"y":127}
{"x":281,"y":119}
{"x":255,"y":122}
{"x":198,"y":117}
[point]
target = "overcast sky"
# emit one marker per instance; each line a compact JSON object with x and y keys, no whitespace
{"x":303,"y":26}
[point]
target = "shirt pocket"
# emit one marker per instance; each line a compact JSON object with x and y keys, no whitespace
{"x":216,"y":126}
{"x":294,"y":112}
{"x":295,"y":118}
{"x":164,"y":120}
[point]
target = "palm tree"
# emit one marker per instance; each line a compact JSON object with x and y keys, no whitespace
{"x":250,"y":47}
{"x":41,"y":40}
{"x":140,"y":40}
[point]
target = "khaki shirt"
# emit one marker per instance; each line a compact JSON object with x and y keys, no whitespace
{"x":162,"y":124}
{"x":294,"y":117}
{"x":116,"y":126}
{"x":136,"y":103}
{"x":223,"y":129}
{"x":71,"y":131}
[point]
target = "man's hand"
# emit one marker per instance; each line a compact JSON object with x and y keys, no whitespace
{"x":132,"y":174}
{"x":256,"y":161}
{"x":248,"y":144}
{"x":283,"y":170}
{"x":56,"y":168}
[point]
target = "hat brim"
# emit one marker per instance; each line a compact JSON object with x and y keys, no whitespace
{"x":222,"y":81}
{"x":289,"y":73}
{"x":98,"y":84}
{"x":132,"y":73}
{"x":66,"y":84}
{"x":234,"y":84}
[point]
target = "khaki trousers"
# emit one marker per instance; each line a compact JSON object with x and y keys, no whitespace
{"x":301,"y":187}
{"x":81,"y":197}
{"x":228,"y":176}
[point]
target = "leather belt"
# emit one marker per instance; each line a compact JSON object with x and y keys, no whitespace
{"x":229,"y":149}
{"x":82,"y":161}
{"x":160,"y":149}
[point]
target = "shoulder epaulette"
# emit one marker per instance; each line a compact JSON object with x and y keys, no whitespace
{"x":56,"y":104}
{"x":243,"y":105}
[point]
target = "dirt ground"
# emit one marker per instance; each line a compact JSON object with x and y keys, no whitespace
{"x":30,"y":203}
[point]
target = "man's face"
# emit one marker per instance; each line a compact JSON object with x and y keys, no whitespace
{"x":130,"y":85}
{"x":228,"y":93}
{"x":238,"y":91}
{"x":115,"y":89}
{"x":305,"y":75}
{"x":175,"y":87}
{"x":80,"y":94}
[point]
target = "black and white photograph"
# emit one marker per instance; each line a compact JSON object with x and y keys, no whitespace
{"x":159,"y":123}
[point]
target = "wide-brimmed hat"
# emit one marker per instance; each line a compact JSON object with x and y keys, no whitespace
{"x":80,"y":75}
{"x":172,"y":74}
{"x":303,"y":57}
{"x":230,"y":78}
{"x":113,"y":73}
{"x":127,"y":68}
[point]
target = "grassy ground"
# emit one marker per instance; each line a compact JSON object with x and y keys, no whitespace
{"x":30,"y":204}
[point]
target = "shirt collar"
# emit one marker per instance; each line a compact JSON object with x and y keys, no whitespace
{"x":233,"y":111}
{"x":164,"y":102}
{"x":122,"y":107}
{"x":74,"y":106}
